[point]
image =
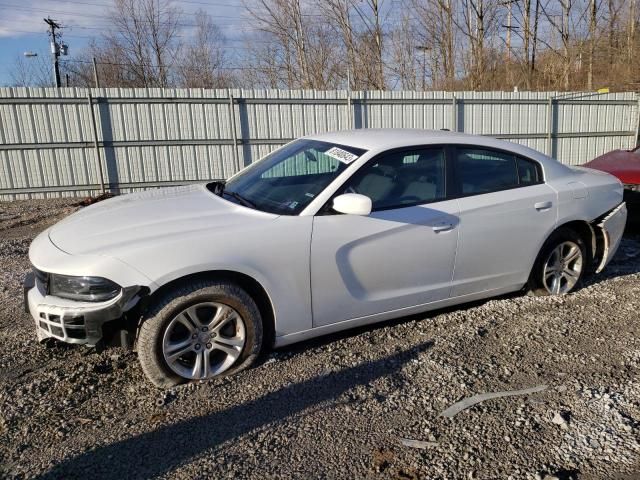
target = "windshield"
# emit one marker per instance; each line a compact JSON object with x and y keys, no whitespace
{"x":287,"y":180}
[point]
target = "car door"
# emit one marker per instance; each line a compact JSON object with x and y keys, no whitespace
{"x":401,"y":255}
{"x":506,"y":213}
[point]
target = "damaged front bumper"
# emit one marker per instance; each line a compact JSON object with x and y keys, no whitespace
{"x":78,"y":322}
{"x":609,"y":229}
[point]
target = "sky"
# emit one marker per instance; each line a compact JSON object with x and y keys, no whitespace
{"x":22,"y":28}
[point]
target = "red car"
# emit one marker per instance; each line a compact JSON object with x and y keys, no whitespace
{"x":624,"y":164}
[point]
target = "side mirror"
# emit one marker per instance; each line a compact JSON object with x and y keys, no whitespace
{"x":352,"y":204}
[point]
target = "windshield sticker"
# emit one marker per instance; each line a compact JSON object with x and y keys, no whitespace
{"x":293,"y":205}
{"x":342,"y":155}
{"x":310,"y":195}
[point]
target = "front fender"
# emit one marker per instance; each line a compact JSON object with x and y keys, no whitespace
{"x":276,"y":256}
{"x":47,"y":257}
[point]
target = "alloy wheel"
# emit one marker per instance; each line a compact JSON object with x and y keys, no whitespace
{"x":204,"y":340}
{"x":563,"y":268}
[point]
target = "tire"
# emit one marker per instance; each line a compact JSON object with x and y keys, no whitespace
{"x":568,"y":246}
{"x":176,"y":336}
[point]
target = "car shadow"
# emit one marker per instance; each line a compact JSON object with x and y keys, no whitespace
{"x":172,"y":445}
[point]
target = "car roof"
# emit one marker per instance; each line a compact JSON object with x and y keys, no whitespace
{"x":387,"y":138}
{"x":381,"y":139}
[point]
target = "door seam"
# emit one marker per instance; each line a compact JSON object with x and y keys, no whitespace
{"x":313,"y":223}
{"x":455,"y":254}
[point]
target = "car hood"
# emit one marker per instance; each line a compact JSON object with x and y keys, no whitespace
{"x":150,"y":216}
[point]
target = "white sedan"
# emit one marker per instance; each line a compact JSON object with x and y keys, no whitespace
{"x":329,"y":232}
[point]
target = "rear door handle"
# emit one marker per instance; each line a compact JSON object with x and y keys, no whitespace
{"x":543,"y":206}
{"x":443,"y":227}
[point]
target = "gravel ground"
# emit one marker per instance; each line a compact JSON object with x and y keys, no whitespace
{"x":340,"y":406}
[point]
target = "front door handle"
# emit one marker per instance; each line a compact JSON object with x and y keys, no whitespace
{"x":543,"y":206}
{"x":443,"y":227}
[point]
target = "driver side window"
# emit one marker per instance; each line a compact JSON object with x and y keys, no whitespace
{"x":401,"y":179}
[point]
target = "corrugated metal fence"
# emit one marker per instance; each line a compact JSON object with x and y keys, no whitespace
{"x":62,"y":142}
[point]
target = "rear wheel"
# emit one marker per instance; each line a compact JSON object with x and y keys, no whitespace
{"x":560,"y":265}
{"x":199,"y":331}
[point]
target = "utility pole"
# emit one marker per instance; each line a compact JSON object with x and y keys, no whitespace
{"x":55,"y":47}
{"x":95,"y":73}
{"x":592,"y":42}
{"x":423,"y":49}
{"x":509,"y":31}
{"x":509,"y":27}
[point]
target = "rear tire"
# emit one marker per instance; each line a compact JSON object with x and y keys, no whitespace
{"x":198,"y":331}
{"x":560,"y":265}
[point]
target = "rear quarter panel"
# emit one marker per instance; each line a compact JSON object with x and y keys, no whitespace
{"x":585,"y":194}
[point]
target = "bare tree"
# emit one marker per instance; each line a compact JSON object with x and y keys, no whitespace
{"x":561,"y":22}
{"x":282,"y":21}
{"x":367,"y":44}
{"x":631,"y":37}
{"x":371,"y":49}
{"x":527,"y":21}
{"x":436,"y":34}
{"x":303,"y":52}
{"x":338,"y":13}
{"x":203,"y":63}
{"x":405,"y":63}
{"x":143,"y":40}
{"x":31,"y":72}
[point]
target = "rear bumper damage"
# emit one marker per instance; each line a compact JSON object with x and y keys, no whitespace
{"x":608,"y":230}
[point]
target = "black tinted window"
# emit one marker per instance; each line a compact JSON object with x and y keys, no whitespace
{"x":527,"y":172}
{"x":483,"y":171}
{"x":401,"y":179}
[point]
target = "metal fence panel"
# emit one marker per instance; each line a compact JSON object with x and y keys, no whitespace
{"x":150,"y":137}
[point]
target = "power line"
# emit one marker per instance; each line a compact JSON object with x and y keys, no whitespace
{"x":95,"y":15}
{"x":44,"y":31}
{"x":222,"y":44}
{"x":190,"y":2}
{"x":150,"y":65}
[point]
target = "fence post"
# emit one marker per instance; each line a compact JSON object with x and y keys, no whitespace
{"x":454,"y":114}
{"x":95,"y":142}
{"x":550,"y":126}
{"x":234,"y":133}
{"x":638,"y":124}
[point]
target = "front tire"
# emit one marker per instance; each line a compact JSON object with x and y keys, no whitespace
{"x":560,"y":265}
{"x":198,"y":331}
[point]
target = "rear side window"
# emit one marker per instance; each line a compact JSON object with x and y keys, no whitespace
{"x":483,"y":171}
{"x":527,"y":172}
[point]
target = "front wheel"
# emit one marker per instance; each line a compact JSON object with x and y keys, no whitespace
{"x":199,"y":331}
{"x":560,"y":265}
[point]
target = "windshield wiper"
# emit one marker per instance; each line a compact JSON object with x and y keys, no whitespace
{"x":240,"y":198}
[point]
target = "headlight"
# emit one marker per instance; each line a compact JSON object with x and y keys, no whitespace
{"x":88,"y":289}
